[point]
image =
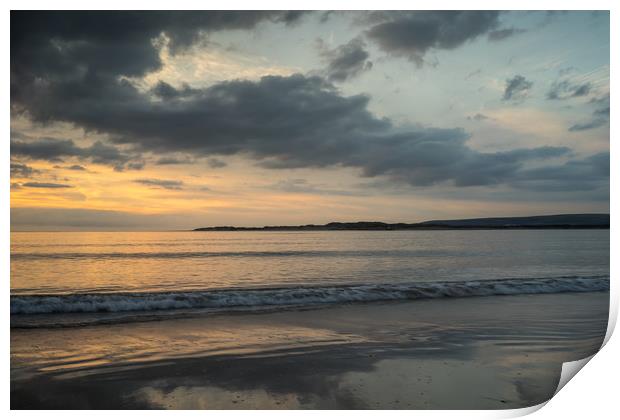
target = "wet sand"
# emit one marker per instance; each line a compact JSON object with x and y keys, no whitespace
{"x":462,"y":353}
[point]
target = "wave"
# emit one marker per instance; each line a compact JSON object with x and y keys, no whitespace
{"x":299,"y":296}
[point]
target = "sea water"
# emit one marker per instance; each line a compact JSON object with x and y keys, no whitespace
{"x":66,"y":278}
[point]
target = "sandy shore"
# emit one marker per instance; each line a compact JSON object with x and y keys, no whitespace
{"x":467,"y":353}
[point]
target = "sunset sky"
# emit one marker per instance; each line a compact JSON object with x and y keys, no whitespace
{"x":176,"y":120}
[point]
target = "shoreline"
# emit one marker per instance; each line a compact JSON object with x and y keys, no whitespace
{"x":558,"y":221}
{"x":479,"y":352}
{"x":435,"y":228}
{"x":79,"y":309}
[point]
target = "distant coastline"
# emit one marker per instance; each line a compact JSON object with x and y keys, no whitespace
{"x":561,"y":221}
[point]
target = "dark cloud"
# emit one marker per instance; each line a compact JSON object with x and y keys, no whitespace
{"x":564,"y":90}
{"x":293,"y":122}
{"x":117,"y":42}
{"x":589,"y":125}
{"x":600,"y":117}
{"x":471,"y":168}
{"x":45,"y":149}
{"x":166,"y":91}
{"x":161,"y":183}
{"x":107,"y":154}
{"x":77,"y":56}
{"x":501,"y":34}
{"x":345,"y":61}
{"x":575,"y":175}
{"x":55,"y":150}
{"x":517,"y":88}
{"x":600,"y":100}
{"x":76,"y":168}
{"x":582,"y":90}
{"x":216,"y":163}
{"x":64,"y":68}
{"x":20,"y":170}
{"x":603,"y":112}
{"x":135,"y":165}
{"x":45,"y":185}
{"x":412,"y":34}
{"x":171,"y":160}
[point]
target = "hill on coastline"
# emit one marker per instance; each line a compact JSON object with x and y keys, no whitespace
{"x":560,"y":221}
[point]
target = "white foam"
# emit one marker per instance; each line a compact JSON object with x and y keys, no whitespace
{"x":236,"y":299}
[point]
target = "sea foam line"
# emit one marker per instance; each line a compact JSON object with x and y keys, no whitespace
{"x":235,"y":299}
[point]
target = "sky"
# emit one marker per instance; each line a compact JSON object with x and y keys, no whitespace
{"x":176,"y":120}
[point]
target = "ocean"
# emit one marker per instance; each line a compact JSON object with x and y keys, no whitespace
{"x":66,"y":278}
{"x":353,"y":319}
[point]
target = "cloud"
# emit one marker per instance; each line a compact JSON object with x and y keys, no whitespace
{"x":476,"y":72}
{"x":565,"y":89}
{"x":600,"y":117}
{"x":517,"y":88}
{"x":71,"y":68}
{"x":45,"y":185}
{"x":291,"y":122}
{"x":478,"y":117}
{"x":302,"y":186}
{"x":77,"y":56}
{"x":346,"y":61}
{"x":586,"y":174}
{"x":603,"y":112}
{"x":76,"y":168}
{"x":37,"y":218}
{"x":600,"y":100}
{"x":161,"y":183}
{"x":168,"y":160}
{"x":20,"y":170}
{"x":45,"y":149}
{"x":413,"y":34}
{"x":133,"y":165}
{"x":566,"y":70}
{"x":117,"y":42}
{"x":216,"y":163}
{"x":166,"y":91}
{"x":582,"y":90}
{"x":55,"y":150}
{"x":589,"y":125}
{"x":501,"y":34}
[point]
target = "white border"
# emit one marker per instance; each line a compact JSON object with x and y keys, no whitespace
{"x":592,"y":394}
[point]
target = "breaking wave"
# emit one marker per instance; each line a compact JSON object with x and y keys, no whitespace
{"x":298,"y":296}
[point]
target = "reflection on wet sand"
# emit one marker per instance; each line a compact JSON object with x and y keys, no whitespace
{"x":401,"y":356}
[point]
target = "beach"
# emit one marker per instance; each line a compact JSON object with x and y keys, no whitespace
{"x":306,"y":209}
{"x":494,"y":352}
{"x":310,"y":320}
